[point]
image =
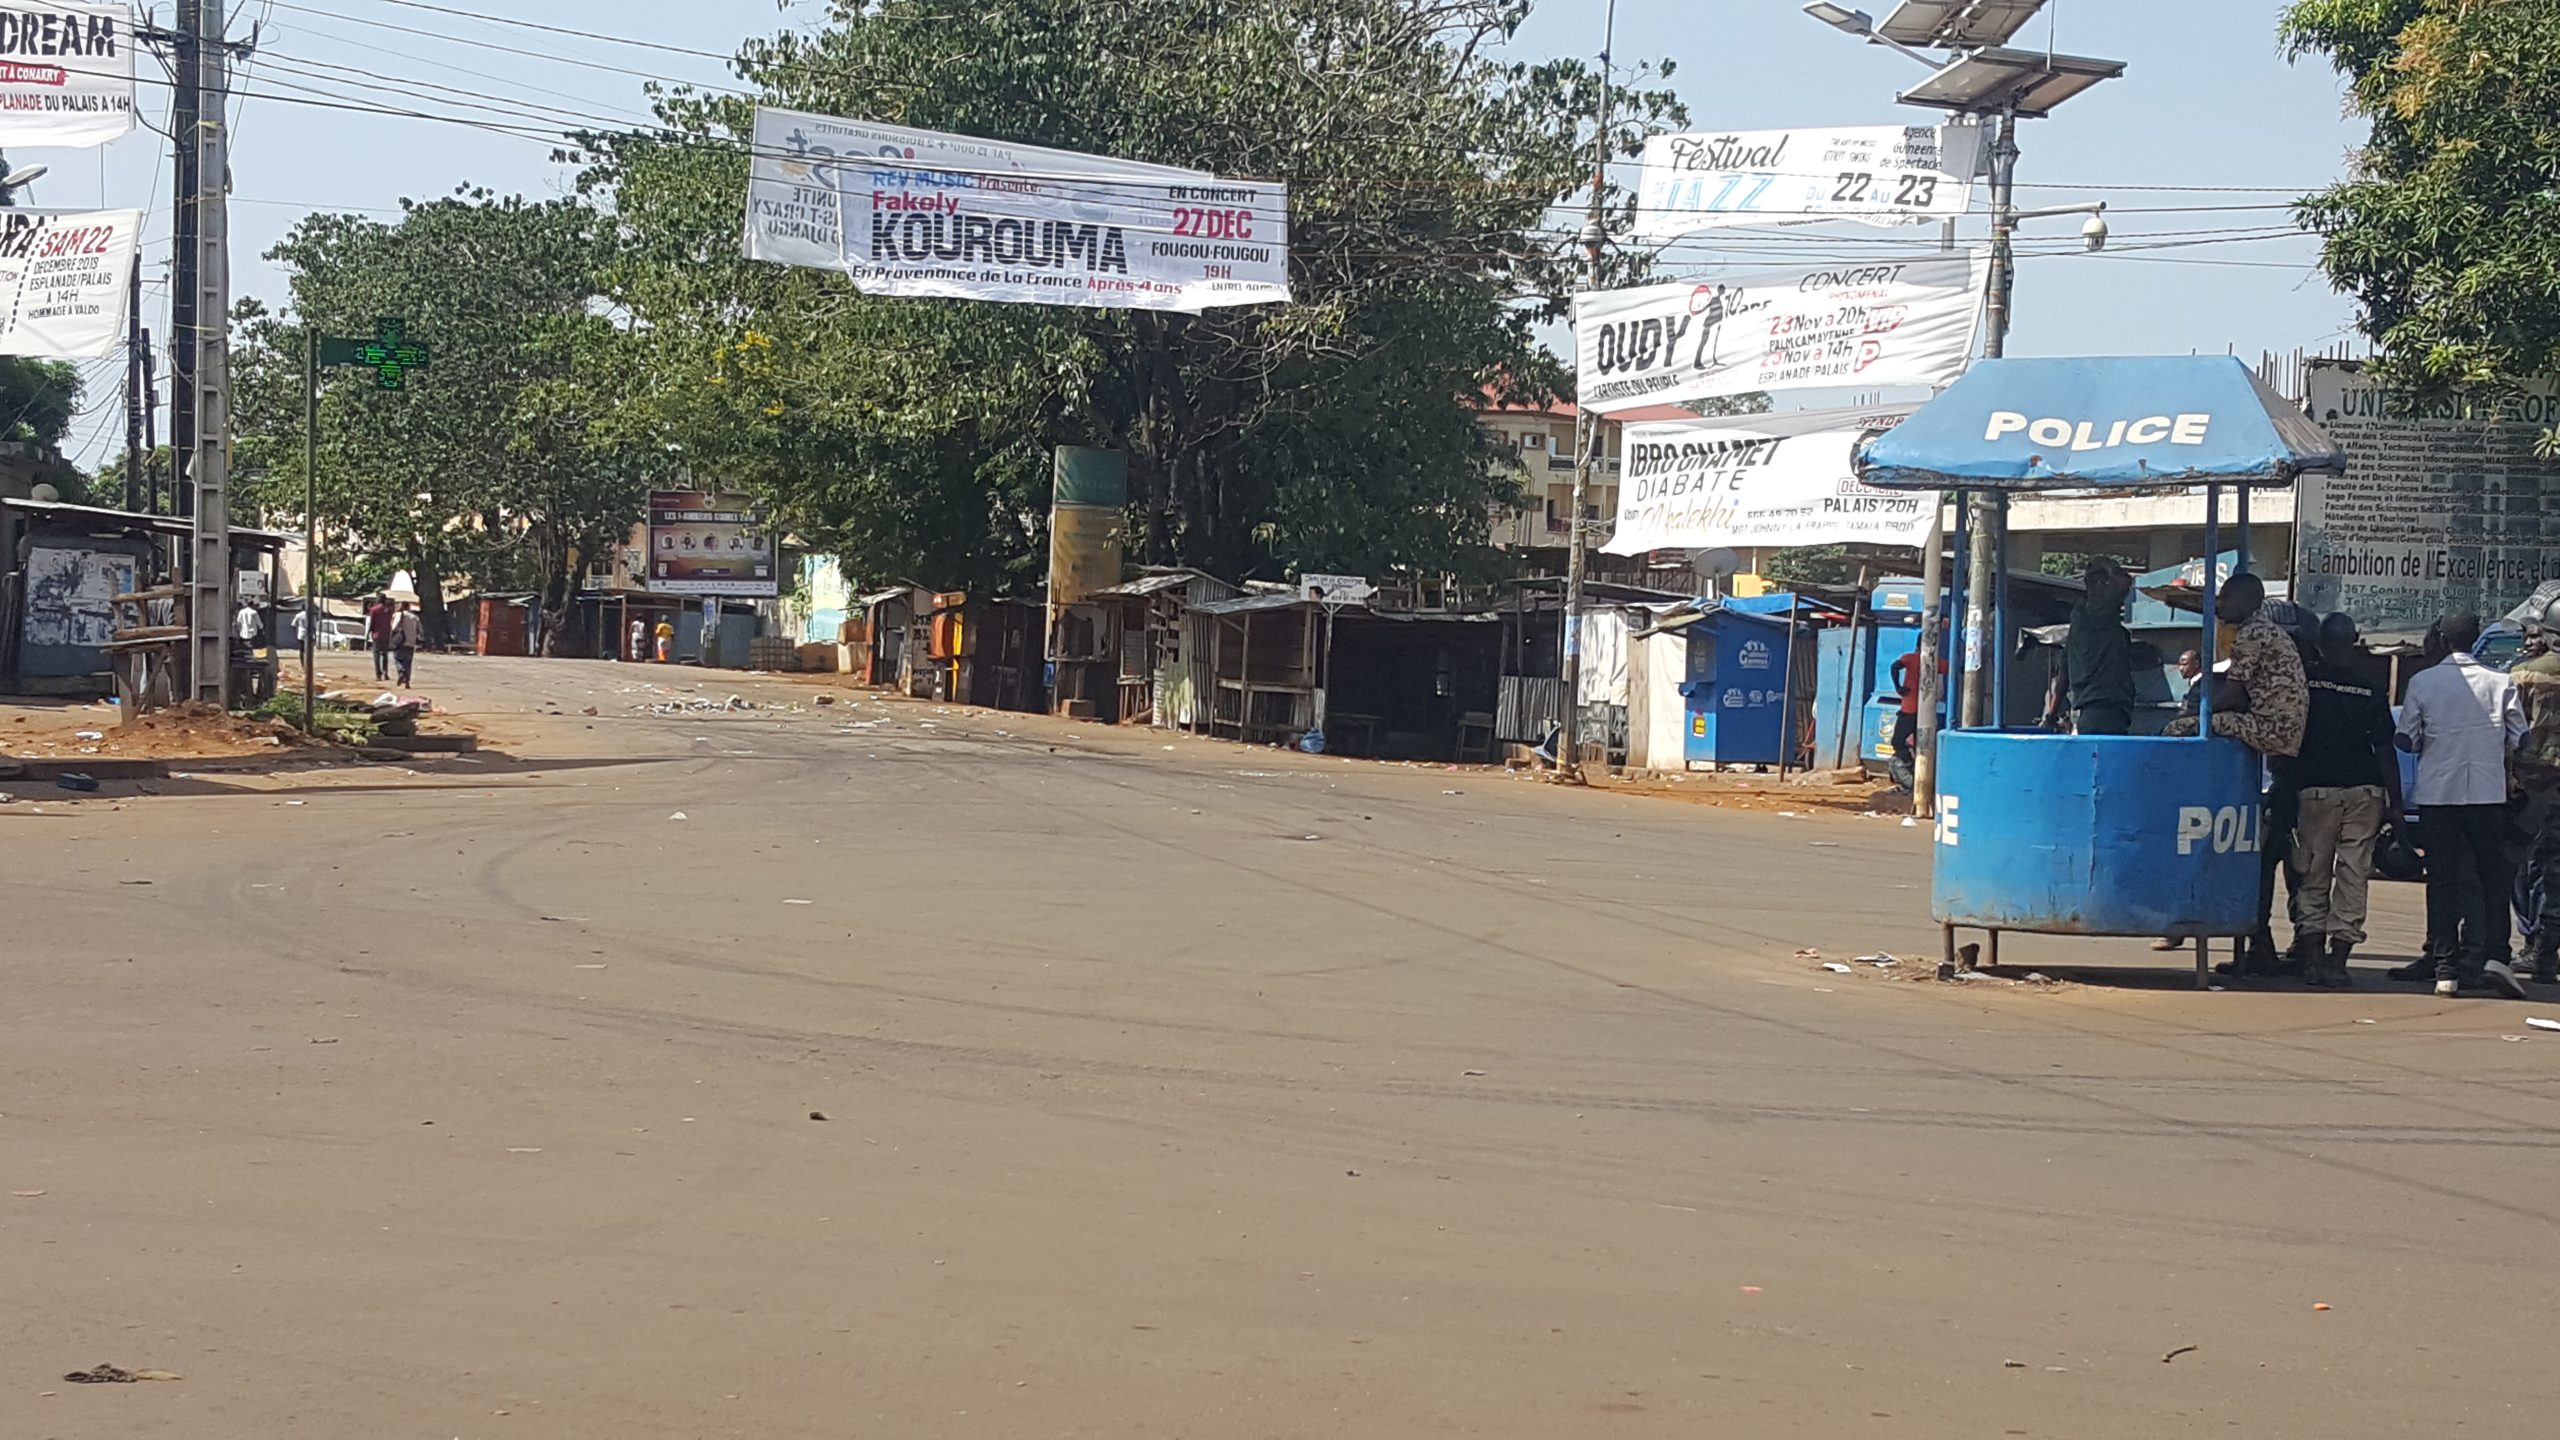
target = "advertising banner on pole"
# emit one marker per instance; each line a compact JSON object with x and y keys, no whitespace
{"x":924,"y":214}
{"x":1902,"y":322}
{"x":2445,"y":505}
{"x":66,"y":72}
{"x":63,"y":280}
{"x":1873,"y":174}
{"x":1767,"y":481}
{"x":702,"y":543}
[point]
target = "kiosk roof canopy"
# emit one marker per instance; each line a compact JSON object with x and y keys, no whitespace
{"x":2122,"y":423}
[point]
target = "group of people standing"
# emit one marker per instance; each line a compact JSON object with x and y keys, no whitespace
{"x":392,"y":631}
{"x":2308,"y":697}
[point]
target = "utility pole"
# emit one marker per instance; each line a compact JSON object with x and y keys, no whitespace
{"x":137,"y":347}
{"x":1595,"y":233}
{"x":186,"y":110}
{"x":1990,"y":521}
{"x":210,"y":580}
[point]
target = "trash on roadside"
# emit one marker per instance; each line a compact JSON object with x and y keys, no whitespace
{"x":1910,"y":822}
{"x":1880,"y":959}
{"x":73,"y":780}
{"x":2181,"y":1350}
{"x":1836,"y":968}
{"x":2038,"y":977}
{"x":2540,"y":1022}
{"x":88,"y":735}
{"x":118,"y":1375}
{"x":679,"y":815}
{"x":817,"y":1114}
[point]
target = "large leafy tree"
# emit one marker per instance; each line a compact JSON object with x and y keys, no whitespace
{"x":505,"y":462}
{"x":2448,"y":231}
{"x":1336,"y":432}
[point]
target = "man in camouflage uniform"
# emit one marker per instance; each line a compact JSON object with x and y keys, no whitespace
{"x":2266,"y":667}
{"x":2536,"y":768}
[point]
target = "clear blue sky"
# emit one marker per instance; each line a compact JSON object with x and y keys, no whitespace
{"x":2208,"y":101}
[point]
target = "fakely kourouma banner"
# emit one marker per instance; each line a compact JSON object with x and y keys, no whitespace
{"x":924,"y":214}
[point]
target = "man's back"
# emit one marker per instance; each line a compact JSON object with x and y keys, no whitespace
{"x":2460,"y":717}
{"x":2346,"y":732}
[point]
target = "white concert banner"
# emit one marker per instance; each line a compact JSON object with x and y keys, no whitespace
{"x":1874,"y":174}
{"x":920,"y":213}
{"x":1902,"y":322}
{"x":1761,"y":480}
{"x":63,"y":279}
{"x":66,"y":72}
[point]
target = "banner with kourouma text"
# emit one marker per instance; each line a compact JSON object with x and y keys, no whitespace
{"x":1766,"y":481}
{"x":1872,"y":174}
{"x":64,"y":277}
{"x":66,"y":72}
{"x":1896,"y":322}
{"x":2446,"y":505}
{"x":922,"y":214}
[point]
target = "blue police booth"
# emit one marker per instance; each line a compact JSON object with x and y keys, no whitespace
{"x":2100,"y":834}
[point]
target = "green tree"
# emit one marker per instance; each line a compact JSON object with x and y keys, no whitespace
{"x":38,"y":399}
{"x":2444,"y":232}
{"x":504,"y":462}
{"x":1337,"y":432}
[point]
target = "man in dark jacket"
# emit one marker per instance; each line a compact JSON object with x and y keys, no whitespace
{"x":2346,"y":783}
{"x":2097,"y":654}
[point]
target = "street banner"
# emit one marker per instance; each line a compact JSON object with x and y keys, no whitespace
{"x":702,"y":543}
{"x":1902,"y":322}
{"x":1872,"y":174}
{"x":2442,"y":508}
{"x":924,"y":214}
{"x":66,"y":72}
{"x":1766,"y":481}
{"x":63,"y":280}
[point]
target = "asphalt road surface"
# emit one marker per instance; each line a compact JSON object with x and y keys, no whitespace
{"x":1175,"y":1089}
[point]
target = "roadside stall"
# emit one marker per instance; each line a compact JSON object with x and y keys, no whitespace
{"x":2135,"y":836}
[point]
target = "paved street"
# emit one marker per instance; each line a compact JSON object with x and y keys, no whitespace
{"x":1175,"y":1089}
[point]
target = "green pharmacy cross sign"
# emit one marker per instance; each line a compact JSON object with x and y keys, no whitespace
{"x":388,"y":354}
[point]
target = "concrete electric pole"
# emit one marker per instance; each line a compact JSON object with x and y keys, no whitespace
{"x":1587,"y":436}
{"x":209,"y":575}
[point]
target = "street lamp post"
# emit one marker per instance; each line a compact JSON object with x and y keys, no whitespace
{"x":1980,"y":79}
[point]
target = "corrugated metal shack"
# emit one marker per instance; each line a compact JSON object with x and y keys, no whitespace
{"x":1400,"y":684}
{"x":1127,"y":653}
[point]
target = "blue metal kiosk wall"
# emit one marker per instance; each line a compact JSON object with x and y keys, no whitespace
{"x":1736,"y":692}
{"x":2094,"y":834}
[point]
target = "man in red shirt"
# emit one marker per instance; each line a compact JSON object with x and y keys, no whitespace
{"x":377,"y":629}
{"x":1906,"y":725}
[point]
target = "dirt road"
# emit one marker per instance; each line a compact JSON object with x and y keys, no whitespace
{"x":1175,"y":1089}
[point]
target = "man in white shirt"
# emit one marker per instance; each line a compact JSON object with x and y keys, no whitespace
{"x":2461,"y":718}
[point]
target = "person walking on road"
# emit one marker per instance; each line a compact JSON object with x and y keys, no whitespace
{"x":377,"y":634}
{"x":404,"y":641}
{"x":2461,"y":718}
{"x":2347,"y":780}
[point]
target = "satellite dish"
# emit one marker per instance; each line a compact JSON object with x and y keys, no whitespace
{"x":45,"y":493}
{"x":24,"y":175}
{"x":1716,"y":564}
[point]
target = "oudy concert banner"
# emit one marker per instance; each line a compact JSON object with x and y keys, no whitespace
{"x":1873,"y":174}
{"x":701,"y":543}
{"x":63,"y":280}
{"x":1769,"y":481}
{"x":1899,"y":322}
{"x":66,"y":72}
{"x":920,"y":213}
